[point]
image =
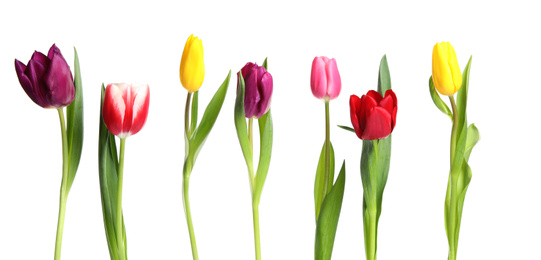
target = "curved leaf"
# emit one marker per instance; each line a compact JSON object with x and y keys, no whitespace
{"x":384,"y":77}
{"x":266,"y":137}
{"x":240,"y":125}
{"x":437,"y":99}
{"x":347,"y":128}
{"x":319,"y":190}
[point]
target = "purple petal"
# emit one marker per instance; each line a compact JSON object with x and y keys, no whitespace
{"x":59,"y":82}
{"x":265,"y":91}
{"x":251,"y":94}
{"x":40,"y":57}
{"x":35,"y":71}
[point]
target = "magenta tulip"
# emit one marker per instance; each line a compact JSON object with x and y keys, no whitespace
{"x":325,"y":80}
{"x":258,"y":90}
{"x":47,"y":80}
{"x":125,"y":108}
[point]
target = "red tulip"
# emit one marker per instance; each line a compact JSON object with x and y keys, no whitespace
{"x":125,"y":108}
{"x":373,"y":116}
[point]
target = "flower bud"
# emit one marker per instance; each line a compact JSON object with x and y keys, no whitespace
{"x":445,"y":70}
{"x":192,"y":66}
{"x":258,"y":90}
{"x":325,"y":79}
{"x":47,"y":80}
{"x":125,"y":108}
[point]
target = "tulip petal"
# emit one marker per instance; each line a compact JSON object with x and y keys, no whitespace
{"x":34,"y":71}
{"x":114,"y":108}
{"x":375,"y":95}
{"x":378,"y":124}
{"x":59,"y":82}
{"x":265,"y":92}
{"x":318,"y":79}
{"x":334,"y":83}
{"x":441,"y":72}
{"x":141,"y":98}
{"x":251,"y":96}
{"x":38,"y":56}
{"x":354,"y":109}
{"x":389,"y":101}
{"x":367,"y":103}
{"x":25,"y":82}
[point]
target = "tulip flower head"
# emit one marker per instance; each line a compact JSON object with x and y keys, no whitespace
{"x":192,"y":66}
{"x":125,"y":108}
{"x":325,"y":79}
{"x":47,"y":80}
{"x":258,"y":90}
{"x":373,"y":116}
{"x":445,"y":70}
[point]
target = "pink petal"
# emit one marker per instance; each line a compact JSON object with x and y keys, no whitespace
{"x":334,"y":83}
{"x":318,"y":80}
{"x":141,"y":98}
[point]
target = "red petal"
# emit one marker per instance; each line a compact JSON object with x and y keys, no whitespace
{"x":354,"y":109}
{"x":375,"y":95}
{"x":114,"y":109}
{"x":367,"y":103}
{"x":378,"y":124}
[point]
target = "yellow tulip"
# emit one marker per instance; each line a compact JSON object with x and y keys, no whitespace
{"x":445,"y":70}
{"x":192,"y":66}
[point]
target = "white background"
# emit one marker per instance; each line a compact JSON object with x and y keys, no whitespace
{"x":135,"y":42}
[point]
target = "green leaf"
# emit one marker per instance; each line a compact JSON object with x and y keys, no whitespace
{"x":265,"y":64}
{"x":108,"y":175}
{"x":328,"y":218}
{"x":240,"y":125}
{"x":384,"y":78}
{"x":319,"y":189}
{"x":209,"y":118}
{"x":195,"y":100}
{"x":347,"y":128}
{"x":75,"y":124}
{"x":266,"y":136}
{"x":462,"y":96}
{"x":437,"y":99}
{"x":471,"y":140}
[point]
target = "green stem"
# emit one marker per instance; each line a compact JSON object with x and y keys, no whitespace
{"x":451,"y":196}
{"x":370,"y":234}
{"x":187,"y":116}
{"x":327,"y":150}
{"x":250,"y":133}
{"x":186,"y":200}
{"x":119,"y":224}
{"x":255,"y":210}
{"x":63,"y":186}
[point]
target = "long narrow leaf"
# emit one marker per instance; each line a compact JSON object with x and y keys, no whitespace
{"x":328,"y":219}
{"x":108,"y":174}
{"x":195,"y":101}
{"x":75,"y":126}
{"x":384,"y":77}
{"x":240,"y":125}
{"x":209,"y":118}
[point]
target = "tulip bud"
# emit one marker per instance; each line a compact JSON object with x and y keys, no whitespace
{"x":325,"y":79}
{"x":373,"y":117}
{"x":47,"y":80}
{"x":258,"y":90}
{"x":445,"y":70}
{"x":192,"y":67}
{"x":125,"y":108}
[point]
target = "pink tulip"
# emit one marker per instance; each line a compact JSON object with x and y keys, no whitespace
{"x":125,"y":108}
{"x":325,"y":80}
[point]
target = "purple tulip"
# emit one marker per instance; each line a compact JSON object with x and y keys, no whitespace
{"x":325,"y":79}
{"x":258,"y":86}
{"x":47,"y":80}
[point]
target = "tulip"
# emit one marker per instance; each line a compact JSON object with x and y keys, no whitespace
{"x":373,"y":116}
{"x":192,"y":67}
{"x":47,"y":80}
{"x":125,"y":108}
{"x":325,"y":80}
{"x":258,"y":85}
{"x":445,"y":70}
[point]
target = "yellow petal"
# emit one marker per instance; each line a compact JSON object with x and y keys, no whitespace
{"x":445,"y":70}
